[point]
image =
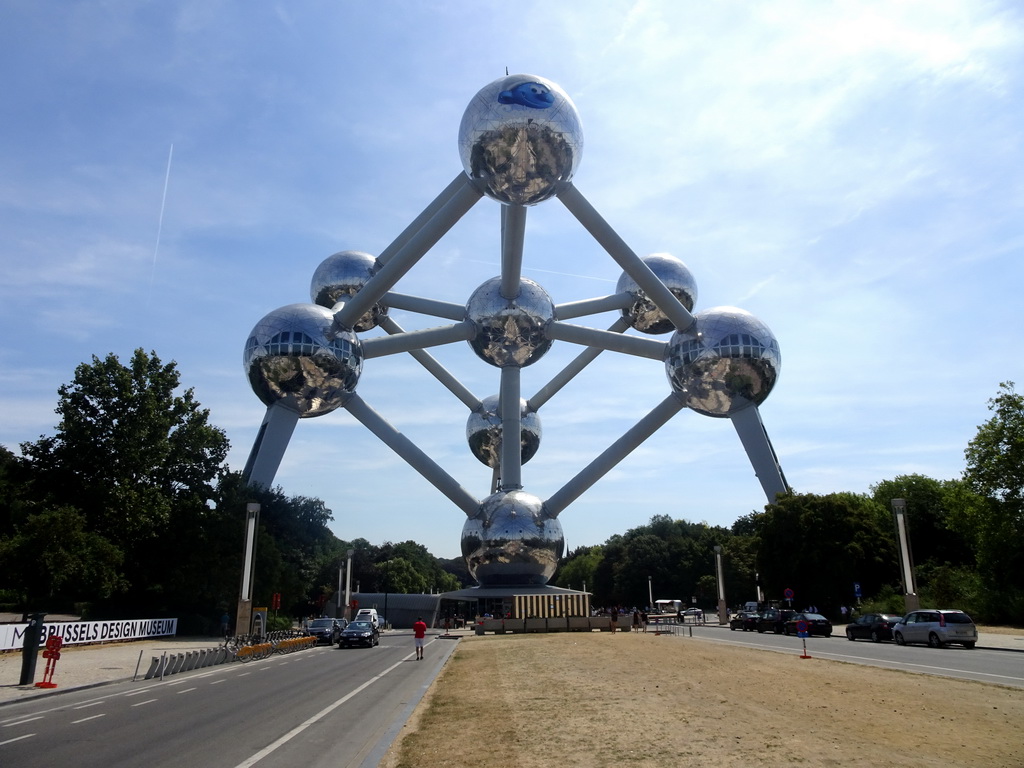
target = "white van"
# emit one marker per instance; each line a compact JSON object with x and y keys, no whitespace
{"x":368,"y":614}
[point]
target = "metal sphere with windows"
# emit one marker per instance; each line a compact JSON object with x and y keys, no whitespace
{"x":341,"y":276}
{"x":511,"y":540}
{"x":519,"y":138}
{"x":483,"y":432}
{"x":296,"y":356}
{"x":642,"y":314}
{"x":727,"y":361}
{"x":510,"y":332}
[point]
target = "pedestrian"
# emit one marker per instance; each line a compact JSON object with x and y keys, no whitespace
{"x":614,"y":616}
{"x":842,"y":610}
{"x":643,"y":620}
{"x":636,"y":620}
{"x":419,"y":631}
{"x":225,"y":623}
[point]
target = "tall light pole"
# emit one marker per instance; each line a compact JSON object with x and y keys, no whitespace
{"x":650,"y":595}
{"x":723,"y":612}
{"x":348,"y":585}
{"x":911,"y":602}
{"x":243,"y":617}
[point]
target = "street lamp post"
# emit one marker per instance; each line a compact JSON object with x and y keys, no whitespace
{"x":243,"y":617}
{"x":650,"y":595}
{"x":911,"y":602}
{"x":723,"y":612}
{"x":348,"y":585}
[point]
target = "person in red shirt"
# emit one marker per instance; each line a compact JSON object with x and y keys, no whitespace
{"x":419,"y":631}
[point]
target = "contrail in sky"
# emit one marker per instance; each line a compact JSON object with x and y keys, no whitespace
{"x":160,"y":224}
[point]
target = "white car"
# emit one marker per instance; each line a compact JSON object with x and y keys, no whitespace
{"x":937,"y":628}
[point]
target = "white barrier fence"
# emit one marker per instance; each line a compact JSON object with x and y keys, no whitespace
{"x":12,"y":636}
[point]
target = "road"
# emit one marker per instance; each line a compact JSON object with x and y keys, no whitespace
{"x":986,"y":666}
{"x":315,"y":708}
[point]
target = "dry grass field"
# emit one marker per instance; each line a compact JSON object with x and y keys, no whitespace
{"x":597,"y":699}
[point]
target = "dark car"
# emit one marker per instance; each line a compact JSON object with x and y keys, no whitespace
{"x":325,"y":630}
{"x":745,"y":620}
{"x":816,"y":624}
{"x":872,"y":626}
{"x":774,"y":620}
{"x":359,"y":633}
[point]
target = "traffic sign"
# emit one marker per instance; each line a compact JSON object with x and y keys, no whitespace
{"x":801,"y":628}
{"x":788,"y":593}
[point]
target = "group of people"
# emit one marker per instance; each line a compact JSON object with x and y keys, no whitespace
{"x":639,"y":618}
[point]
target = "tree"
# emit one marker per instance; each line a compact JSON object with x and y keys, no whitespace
{"x":139,"y":461}
{"x":989,"y":506}
{"x":820,"y":545}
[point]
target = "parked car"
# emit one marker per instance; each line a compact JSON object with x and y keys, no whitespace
{"x":745,"y":620}
{"x":774,"y":620}
{"x":816,"y":624}
{"x":359,"y":633}
{"x":325,"y":629}
{"x":872,"y":626}
{"x":937,"y":627}
{"x":696,"y":615}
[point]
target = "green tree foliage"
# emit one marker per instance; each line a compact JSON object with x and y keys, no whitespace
{"x":933,"y":539}
{"x":819,"y":545}
{"x":129,"y":452}
{"x":989,"y":506}
{"x":577,"y":570}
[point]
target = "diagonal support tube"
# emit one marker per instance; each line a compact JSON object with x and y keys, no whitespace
{"x":567,"y":374}
{"x":435,"y":368}
{"x":615,"y":453}
{"x":410,"y":340}
{"x":754,"y":437}
{"x":616,"y":247}
{"x":616,"y":342}
{"x":412,"y":455}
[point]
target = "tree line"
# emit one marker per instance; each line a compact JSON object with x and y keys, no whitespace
{"x":967,"y":542}
{"x":128,"y":508}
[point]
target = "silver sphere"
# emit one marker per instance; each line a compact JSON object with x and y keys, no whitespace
{"x":510,"y":332}
{"x":520,"y":136}
{"x":728,"y":360}
{"x":512,"y":540}
{"x":483,"y":432}
{"x":642,"y":314}
{"x":341,"y":277}
{"x":296,"y":356}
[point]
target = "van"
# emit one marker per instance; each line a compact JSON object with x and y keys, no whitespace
{"x":750,"y":606}
{"x":368,"y":614}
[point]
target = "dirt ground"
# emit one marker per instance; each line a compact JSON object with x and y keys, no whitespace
{"x":597,"y":699}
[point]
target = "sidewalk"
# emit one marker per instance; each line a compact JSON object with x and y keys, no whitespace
{"x":84,"y":666}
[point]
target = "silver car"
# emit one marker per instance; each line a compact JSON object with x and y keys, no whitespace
{"x":937,"y":628}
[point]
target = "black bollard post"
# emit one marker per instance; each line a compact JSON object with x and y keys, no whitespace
{"x":30,"y":649}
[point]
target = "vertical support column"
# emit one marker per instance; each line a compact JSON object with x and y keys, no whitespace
{"x":511,"y":431}
{"x":269,"y":447}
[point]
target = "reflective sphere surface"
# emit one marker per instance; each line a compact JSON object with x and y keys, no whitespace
{"x":483,"y":432}
{"x":510,"y":333}
{"x":520,"y":136}
{"x":512,"y":541}
{"x":341,"y":276}
{"x":295,"y":356}
{"x":727,"y":361}
{"x":642,"y":314}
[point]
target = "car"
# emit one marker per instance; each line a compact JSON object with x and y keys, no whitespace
{"x":816,"y":624}
{"x":359,"y":633}
{"x":774,"y":620}
{"x":936,"y":627}
{"x":694,"y":614}
{"x":875,"y":627}
{"x":325,"y":629}
{"x":745,"y":620}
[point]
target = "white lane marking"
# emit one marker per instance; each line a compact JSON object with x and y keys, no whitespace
{"x":90,"y":704}
{"x":23,"y":721}
{"x":270,"y":748}
{"x":187,"y":690}
{"x":87,"y":719}
{"x":17,"y":738}
{"x":140,"y":703}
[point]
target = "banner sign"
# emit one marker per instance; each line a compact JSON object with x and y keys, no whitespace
{"x":12,"y":636}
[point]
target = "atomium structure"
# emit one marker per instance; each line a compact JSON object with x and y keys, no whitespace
{"x":520,"y":142}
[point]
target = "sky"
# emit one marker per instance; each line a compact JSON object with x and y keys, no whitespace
{"x":848,"y":172}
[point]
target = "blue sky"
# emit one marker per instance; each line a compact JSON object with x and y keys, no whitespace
{"x":848,"y":172}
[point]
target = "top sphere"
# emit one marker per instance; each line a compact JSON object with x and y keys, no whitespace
{"x":520,"y":136}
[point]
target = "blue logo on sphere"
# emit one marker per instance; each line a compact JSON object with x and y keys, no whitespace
{"x":532,"y":95}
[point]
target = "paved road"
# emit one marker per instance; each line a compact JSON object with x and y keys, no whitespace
{"x":997,"y":659}
{"x":319,"y":707}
